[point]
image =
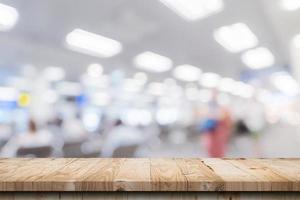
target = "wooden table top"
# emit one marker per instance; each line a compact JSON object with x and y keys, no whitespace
{"x":144,"y":174}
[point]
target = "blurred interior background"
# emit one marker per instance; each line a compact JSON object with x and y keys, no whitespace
{"x":140,"y":78}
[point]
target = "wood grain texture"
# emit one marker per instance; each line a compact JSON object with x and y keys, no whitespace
{"x":143,"y":174}
{"x":150,"y":196}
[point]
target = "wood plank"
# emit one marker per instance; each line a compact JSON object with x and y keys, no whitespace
{"x":167,"y":176}
{"x":101,"y":177}
{"x":76,"y":176}
{"x":234,"y":178}
{"x":133,"y":175}
{"x":143,"y":174}
{"x":288,"y":168}
{"x":26,"y":174}
{"x":199,"y":176}
{"x":267,"y":179}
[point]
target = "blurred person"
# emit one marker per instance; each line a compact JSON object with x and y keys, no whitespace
{"x":246,"y":140}
{"x":121,"y":135}
{"x":32,"y":138}
{"x":243,"y":139}
{"x":216,"y":129}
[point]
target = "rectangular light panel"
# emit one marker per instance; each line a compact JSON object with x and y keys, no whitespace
{"x":194,"y":9}
{"x":187,"y":73}
{"x":258,"y":58}
{"x":290,"y":5}
{"x":92,"y":44}
{"x":236,"y":37}
{"x":8,"y":17}
{"x":153,"y":62}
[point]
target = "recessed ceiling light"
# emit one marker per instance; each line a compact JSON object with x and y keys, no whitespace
{"x":209,"y":80}
{"x":92,"y":44}
{"x":153,"y":62}
{"x":194,"y":9}
{"x":285,"y":83}
{"x":187,"y":73}
{"x":8,"y":17}
{"x":236,"y":37}
{"x":258,"y":58}
{"x":290,"y":5}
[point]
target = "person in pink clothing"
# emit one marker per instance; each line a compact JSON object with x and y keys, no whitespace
{"x":216,"y":139}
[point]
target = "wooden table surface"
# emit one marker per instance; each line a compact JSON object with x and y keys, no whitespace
{"x":144,"y":174}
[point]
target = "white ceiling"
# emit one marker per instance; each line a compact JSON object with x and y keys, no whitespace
{"x":140,"y":25}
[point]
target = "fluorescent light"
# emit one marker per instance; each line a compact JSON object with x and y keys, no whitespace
{"x":290,"y":5}
{"x":285,"y":83}
{"x":92,"y":44}
{"x":236,"y":37}
{"x":210,"y":79}
{"x":194,"y":9}
{"x":258,"y":58}
{"x":95,"y":70}
{"x":153,"y":62}
{"x":8,"y":17}
{"x":187,"y":73}
{"x":54,"y":73}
